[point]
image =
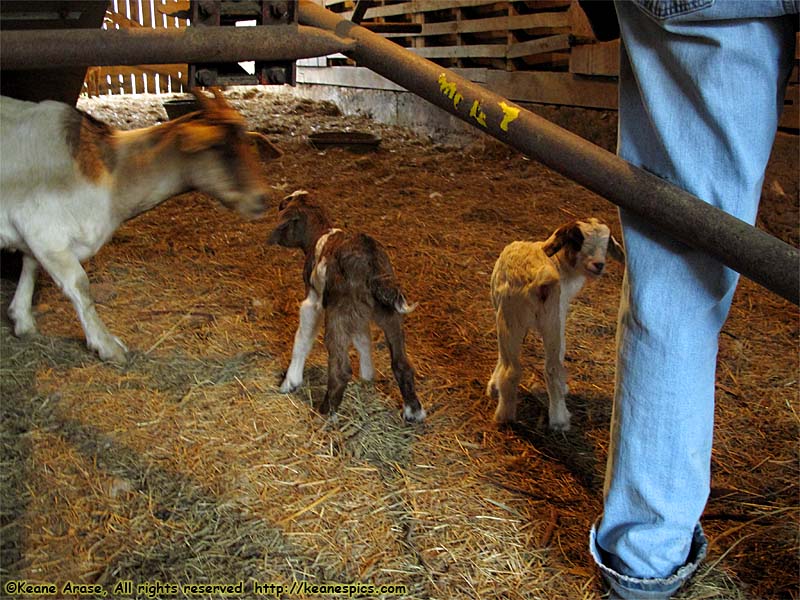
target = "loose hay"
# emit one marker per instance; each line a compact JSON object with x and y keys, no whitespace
{"x":188,"y":466}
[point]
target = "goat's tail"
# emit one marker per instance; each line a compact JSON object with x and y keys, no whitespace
{"x":387,"y":292}
{"x":383,"y":283}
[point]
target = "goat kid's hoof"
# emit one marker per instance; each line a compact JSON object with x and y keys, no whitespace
{"x":560,"y":425}
{"x":491,"y":390}
{"x":25,"y":330}
{"x":116,"y":352}
{"x":287,"y":387}
{"x":414,"y":416}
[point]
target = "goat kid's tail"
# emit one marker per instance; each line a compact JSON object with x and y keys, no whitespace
{"x":386,"y":291}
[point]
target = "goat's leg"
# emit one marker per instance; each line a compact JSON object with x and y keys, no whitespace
{"x":392,"y":326}
{"x":362,"y":340}
{"x":307,"y":331}
{"x":337,"y":342}
{"x":20,"y":311}
{"x":508,"y":371}
{"x":555,"y":373}
{"x":67,"y":272}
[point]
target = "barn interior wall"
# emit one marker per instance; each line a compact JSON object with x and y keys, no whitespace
{"x":407,"y":110}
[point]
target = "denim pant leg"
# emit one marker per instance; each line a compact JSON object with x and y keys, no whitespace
{"x":699,"y":104}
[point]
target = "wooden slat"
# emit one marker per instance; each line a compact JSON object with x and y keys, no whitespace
{"x":595,"y":59}
{"x":420,"y":6}
{"x":790,"y":118}
{"x":553,"y":88}
{"x":552,"y":43}
{"x":544,"y":21}
{"x":476,"y":51}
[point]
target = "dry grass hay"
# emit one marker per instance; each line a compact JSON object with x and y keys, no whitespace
{"x":187,"y":466}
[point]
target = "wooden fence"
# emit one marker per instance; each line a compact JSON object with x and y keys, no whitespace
{"x":154,"y":79}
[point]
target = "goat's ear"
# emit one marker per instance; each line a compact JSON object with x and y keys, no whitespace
{"x":195,"y":136}
{"x":569,"y":235}
{"x":266,"y":150}
{"x":615,"y":250}
{"x":207,"y":103}
{"x":203,"y":101}
{"x":218,"y":96}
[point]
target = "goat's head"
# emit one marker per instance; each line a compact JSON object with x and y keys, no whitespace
{"x":300,"y":220}
{"x":586,"y":245}
{"x":224,"y":155}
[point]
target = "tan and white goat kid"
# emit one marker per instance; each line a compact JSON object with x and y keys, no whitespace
{"x":349,"y":277}
{"x":531,"y":287}
{"x":68,"y":181}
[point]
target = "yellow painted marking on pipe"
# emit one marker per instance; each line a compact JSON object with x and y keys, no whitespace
{"x":450,"y":90}
{"x":476,"y":113}
{"x":509,"y":114}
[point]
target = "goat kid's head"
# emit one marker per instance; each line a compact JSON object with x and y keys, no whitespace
{"x":298,"y":220}
{"x":586,"y":245}
{"x":224,"y":155}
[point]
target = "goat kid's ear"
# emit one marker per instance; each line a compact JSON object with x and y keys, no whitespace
{"x":299,"y":195}
{"x":567,"y":235}
{"x":615,"y":250}
{"x":266,"y":150}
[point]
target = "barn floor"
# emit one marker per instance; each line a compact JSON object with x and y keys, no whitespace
{"x":187,"y":465}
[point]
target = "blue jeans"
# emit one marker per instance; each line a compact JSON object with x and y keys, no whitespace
{"x":701,"y":87}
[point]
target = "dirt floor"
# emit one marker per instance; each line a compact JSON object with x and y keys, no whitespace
{"x":187,"y":466}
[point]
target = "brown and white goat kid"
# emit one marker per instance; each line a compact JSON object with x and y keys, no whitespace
{"x":350,"y":278}
{"x":532,"y":285}
{"x":68,"y":181}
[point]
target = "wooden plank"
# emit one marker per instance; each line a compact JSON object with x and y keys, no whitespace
{"x":790,"y":117}
{"x":595,"y":59}
{"x":421,"y":6}
{"x":544,"y":21}
{"x":553,"y":88}
{"x":476,"y":51}
{"x":552,"y":43}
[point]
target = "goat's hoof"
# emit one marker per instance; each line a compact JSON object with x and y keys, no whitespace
{"x":115,"y":352}
{"x":24,"y":329}
{"x":414,"y":416}
{"x":491,"y":389}
{"x":287,"y":387}
{"x":505,"y":416}
{"x":560,"y":425}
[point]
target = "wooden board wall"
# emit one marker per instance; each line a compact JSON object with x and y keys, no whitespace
{"x":524,"y":44}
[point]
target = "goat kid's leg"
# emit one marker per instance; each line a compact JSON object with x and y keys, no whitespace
{"x":556,"y":374}
{"x":491,"y":387}
{"x":362,"y":340}
{"x":307,"y":331}
{"x":67,"y":272}
{"x":20,"y":311}
{"x":392,"y":325}
{"x":508,"y":371}
{"x":337,"y":342}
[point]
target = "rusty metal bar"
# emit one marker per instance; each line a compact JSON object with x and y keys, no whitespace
{"x":49,"y":49}
{"x":750,"y":251}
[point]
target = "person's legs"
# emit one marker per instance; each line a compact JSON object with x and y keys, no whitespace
{"x":699,"y":104}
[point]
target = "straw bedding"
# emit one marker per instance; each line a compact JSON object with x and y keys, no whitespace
{"x":187,"y":465}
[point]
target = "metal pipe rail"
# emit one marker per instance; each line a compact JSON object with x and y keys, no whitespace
{"x":750,"y":251}
{"x":49,"y":49}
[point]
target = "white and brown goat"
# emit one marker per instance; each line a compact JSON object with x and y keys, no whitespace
{"x":68,"y":181}
{"x":532,"y":285}
{"x":350,"y":278}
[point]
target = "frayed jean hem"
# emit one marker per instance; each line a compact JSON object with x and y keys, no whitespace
{"x":634,"y":588}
